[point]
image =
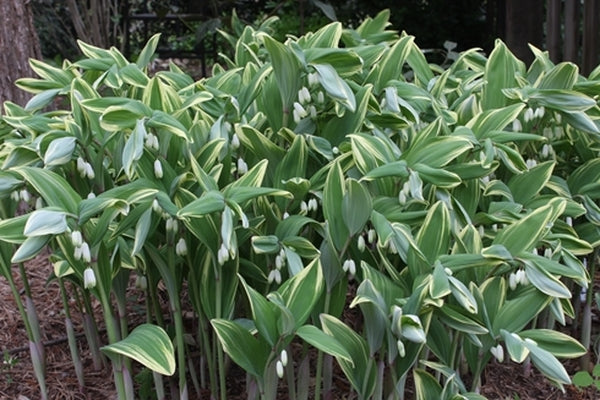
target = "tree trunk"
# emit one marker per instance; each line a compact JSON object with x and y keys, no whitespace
{"x":18,"y":43}
{"x":524,"y":25}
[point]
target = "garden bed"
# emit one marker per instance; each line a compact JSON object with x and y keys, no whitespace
{"x":501,"y":381}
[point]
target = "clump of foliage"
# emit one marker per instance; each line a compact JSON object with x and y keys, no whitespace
{"x":459,"y":203}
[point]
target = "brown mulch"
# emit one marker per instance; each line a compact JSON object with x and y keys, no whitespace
{"x":17,"y":380}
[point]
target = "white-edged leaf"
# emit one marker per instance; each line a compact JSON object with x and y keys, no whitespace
{"x":149,"y":345}
{"x":46,"y":222}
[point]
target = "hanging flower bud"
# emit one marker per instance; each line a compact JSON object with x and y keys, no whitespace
{"x":279,"y":367}
{"x":402,"y":198}
{"x":300,"y":110}
{"x":548,"y":252}
{"x":313,"y":79}
{"x":539,"y":112}
{"x":14,"y":195}
{"x":360,"y":243}
{"x":303,"y":95}
{"x":39,"y":203}
{"x":313,"y":205}
{"x":522,"y":278}
{"x":89,"y":171}
{"x":242,"y":167}
{"x":181,"y":247}
{"x":81,"y":166}
{"x":277,"y":276}
{"x":86,"y":255}
{"x":283,"y":357}
{"x":528,"y":115}
{"x":91,"y":195}
{"x":141,"y":282}
{"x":401,"y":348}
{"x":349,"y":266}
{"x":156,"y":207}
{"x":545,"y":151}
{"x":222,"y":254}
{"x":303,"y":207}
{"x":371,"y":236}
{"x":235,"y":142}
{"x":296,"y":117}
{"x":152,"y":141}
{"x":24,"y":195}
{"x":320,"y":97}
{"x":158,"y":171}
{"x":285,"y":215}
{"x":171,"y":225}
{"x":279,"y":262}
{"x":76,"y":238}
{"x":481,"y":230}
{"x":498,"y":352}
{"x":512,"y":281}
{"x":516,"y":126}
{"x":312,"y":110}
{"x":530,"y":163}
{"x":89,"y":278}
{"x":77,"y":253}
{"x":569,"y":221}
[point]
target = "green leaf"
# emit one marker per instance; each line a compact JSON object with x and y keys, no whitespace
{"x":324,"y":342}
{"x":426,"y":386}
{"x":514,"y":314}
{"x":302,"y":291}
{"x":562,"y":76}
{"x":11,"y":229}
{"x":436,"y":176}
{"x":390,"y":67}
{"x":265,"y":244}
{"x":335,"y":86}
{"x":163,"y":121}
{"x":515,"y":346}
{"x":500,"y":73}
{"x":208,"y":203}
{"x":134,"y":148}
{"x":546,"y":282}
{"x":52,"y":187}
{"x":557,"y":343}
{"x":46,"y":222}
{"x":123,"y":116}
{"x":547,"y":363}
{"x":433,"y":239}
{"x":524,"y":234}
{"x":440,"y":286}
{"x":243,"y":348}
{"x":148,"y":51}
{"x":583,"y":379}
{"x":563,"y":100}
{"x":333,"y":195}
{"x":29,"y":248}
{"x":438,"y":151}
{"x":142,"y":228}
{"x":59,"y":151}
{"x":287,"y":71}
{"x":528,"y":184}
{"x":356,"y":206}
{"x":149,"y":345}
{"x":263,"y":314}
{"x":494,"y":120}
{"x":360,"y":371}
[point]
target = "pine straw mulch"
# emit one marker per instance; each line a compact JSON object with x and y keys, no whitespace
{"x":17,"y":380}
